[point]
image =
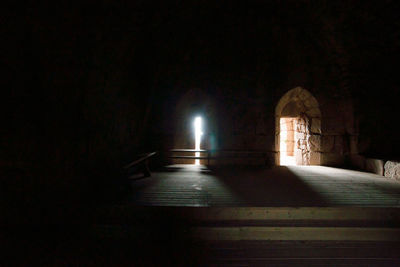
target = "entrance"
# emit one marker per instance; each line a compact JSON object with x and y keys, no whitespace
{"x":298,"y":129}
{"x":287,"y":141}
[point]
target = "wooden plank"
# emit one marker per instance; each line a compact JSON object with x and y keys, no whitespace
{"x":296,"y":233}
{"x":188,"y":150}
{"x":297,"y":186}
{"x":260,"y":233}
{"x":264,"y":214}
{"x":188,"y":157}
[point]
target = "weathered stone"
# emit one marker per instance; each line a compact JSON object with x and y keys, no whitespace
{"x":277,"y":142}
{"x":349,"y":125}
{"x":303,"y":95}
{"x":299,"y":135}
{"x":316,"y":125}
{"x":374,"y":166}
{"x":261,"y":127}
{"x":292,"y":109}
{"x":302,"y":143}
{"x":333,"y":126}
{"x":260,"y":141}
{"x":338,"y":146}
{"x":311,"y":102}
{"x":327,"y":143}
{"x":331,"y":159}
{"x":353,"y":144}
{"x":392,"y":170}
{"x":315,"y":158}
{"x":277,"y":124}
{"x":301,"y":127}
{"x":315,"y":142}
{"x":299,"y":157}
{"x":357,"y":161}
{"x":313,"y":113}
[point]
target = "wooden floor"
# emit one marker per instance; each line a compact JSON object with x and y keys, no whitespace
{"x":186,"y":215}
{"x":189,"y":215}
{"x":291,"y":186}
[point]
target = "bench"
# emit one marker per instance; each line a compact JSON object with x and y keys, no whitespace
{"x":191,"y":151}
{"x":222,"y":155}
{"x":141,"y":165}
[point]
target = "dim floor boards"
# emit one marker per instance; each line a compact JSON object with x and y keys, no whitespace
{"x":292,"y":186}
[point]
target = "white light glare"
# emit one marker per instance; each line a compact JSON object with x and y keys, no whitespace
{"x":197,"y":134}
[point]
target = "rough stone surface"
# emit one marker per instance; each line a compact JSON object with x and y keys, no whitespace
{"x":392,"y":170}
{"x":315,"y":158}
{"x":374,"y":166}
{"x":327,"y":143}
{"x":311,"y":102}
{"x":332,"y":159}
{"x":353,"y":141}
{"x":315,"y":142}
{"x":303,"y":147}
{"x":315,"y":112}
{"x":316,"y":125}
{"x":333,"y":126}
{"x":338,"y":146}
{"x":357,"y":161}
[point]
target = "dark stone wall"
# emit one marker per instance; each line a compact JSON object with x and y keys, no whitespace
{"x":89,"y":85}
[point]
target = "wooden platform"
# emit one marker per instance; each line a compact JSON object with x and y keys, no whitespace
{"x":291,"y":186}
{"x":284,"y":216}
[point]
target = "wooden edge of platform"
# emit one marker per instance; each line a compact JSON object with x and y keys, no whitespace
{"x":296,"y":233}
{"x":208,"y":214}
{"x":259,"y":233}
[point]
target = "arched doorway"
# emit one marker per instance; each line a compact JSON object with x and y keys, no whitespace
{"x":298,"y":129}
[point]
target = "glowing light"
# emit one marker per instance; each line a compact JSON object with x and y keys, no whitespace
{"x":198,"y":132}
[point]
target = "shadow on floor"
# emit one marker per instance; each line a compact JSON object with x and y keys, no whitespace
{"x":199,"y":186}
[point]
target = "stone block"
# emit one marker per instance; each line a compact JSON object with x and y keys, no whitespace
{"x":276,"y":144}
{"x":313,"y":113}
{"x":315,"y":142}
{"x":374,"y":166}
{"x":311,"y":102}
{"x":300,"y":136}
{"x":302,"y":143}
{"x":332,"y":159}
{"x":353,"y":144}
{"x":300,"y":127}
{"x":259,"y":141}
{"x":327,"y":143}
{"x":303,"y":95}
{"x":316,"y":125}
{"x":315,"y":158}
{"x":338,"y":146}
{"x":277,"y":124}
{"x":350,"y":125}
{"x":333,"y":126}
{"x":299,"y":157}
{"x":276,"y":159}
{"x":392,"y":170}
{"x":357,"y":161}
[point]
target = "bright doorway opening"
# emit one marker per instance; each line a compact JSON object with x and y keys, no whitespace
{"x":287,"y":141}
{"x":198,"y":132}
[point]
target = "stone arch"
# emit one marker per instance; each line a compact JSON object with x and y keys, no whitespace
{"x":300,"y":105}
